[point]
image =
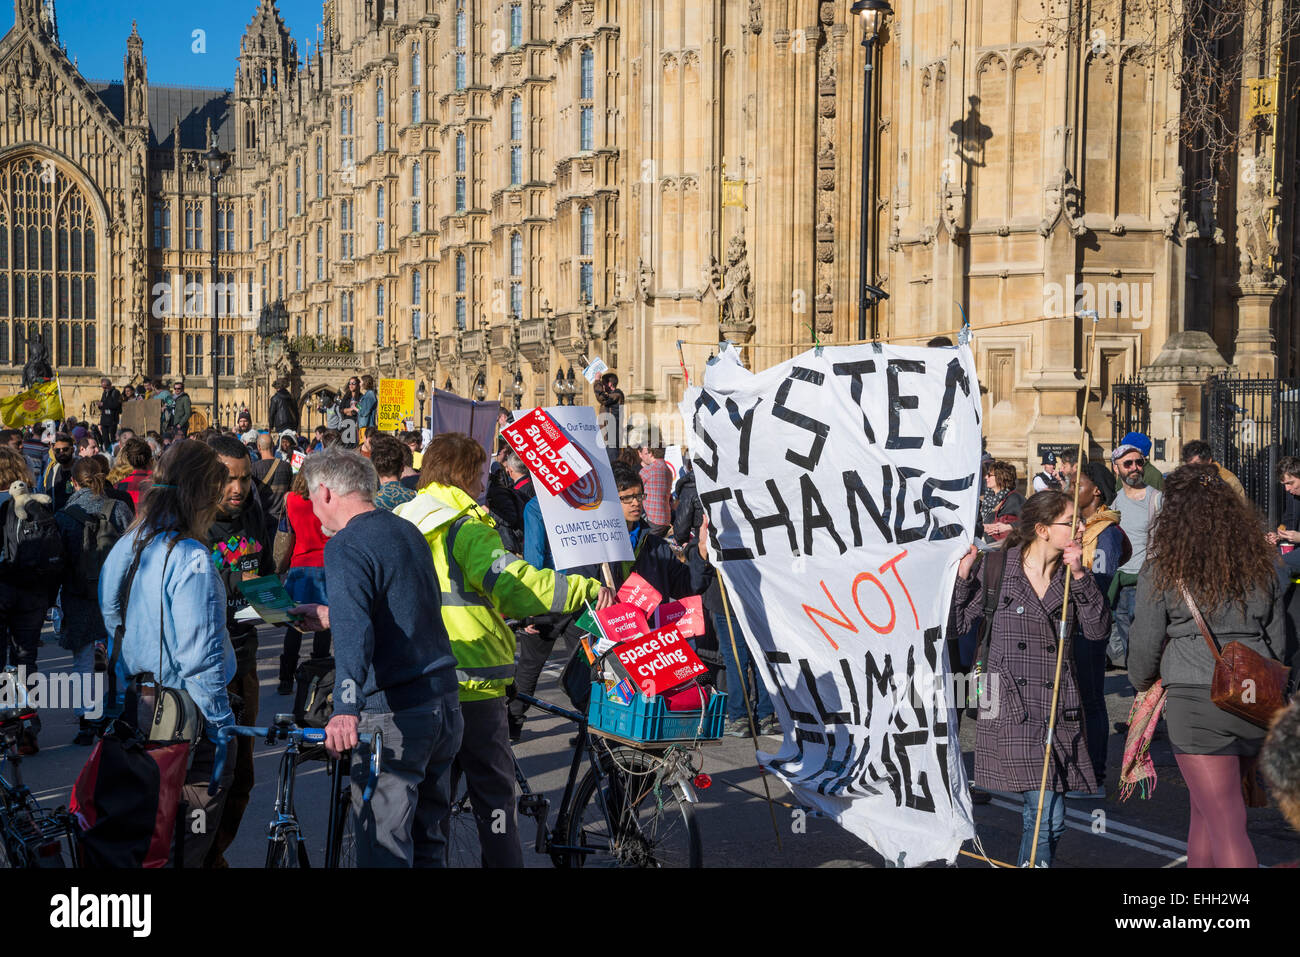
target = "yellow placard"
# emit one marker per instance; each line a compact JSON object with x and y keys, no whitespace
{"x":37,"y":404}
{"x":396,"y":403}
{"x":733,"y":192}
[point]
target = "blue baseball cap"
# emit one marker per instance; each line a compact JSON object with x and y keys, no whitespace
{"x":1138,"y":441}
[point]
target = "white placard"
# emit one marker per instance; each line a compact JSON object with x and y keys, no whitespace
{"x":585,"y":524}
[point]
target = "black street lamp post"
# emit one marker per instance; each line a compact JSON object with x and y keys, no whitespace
{"x":216,"y":162}
{"x":420,"y":395}
{"x":873,"y":13}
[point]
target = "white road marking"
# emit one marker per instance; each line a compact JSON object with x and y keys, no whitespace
{"x":1087,"y":829}
{"x":1111,"y":825}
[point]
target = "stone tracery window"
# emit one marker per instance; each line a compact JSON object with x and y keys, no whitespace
{"x":48,"y":265}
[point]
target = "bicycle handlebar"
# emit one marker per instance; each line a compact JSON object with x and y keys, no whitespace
{"x":298,"y":736}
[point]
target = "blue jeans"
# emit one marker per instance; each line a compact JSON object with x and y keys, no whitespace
{"x":306,"y":585}
{"x":1122,"y":619}
{"x":736,"y":668}
{"x":1050,"y":829}
{"x":1090,"y":666}
{"x":402,"y":826}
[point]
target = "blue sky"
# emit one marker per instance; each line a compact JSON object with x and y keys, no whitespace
{"x":95,"y":31}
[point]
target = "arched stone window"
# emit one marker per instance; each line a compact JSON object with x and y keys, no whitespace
{"x":48,"y":265}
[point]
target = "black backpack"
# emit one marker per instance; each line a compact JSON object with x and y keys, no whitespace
{"x":32,"y":546}
{"x":313,"y":703}
{"x":98,"y":536}
{"x":512,"y":538}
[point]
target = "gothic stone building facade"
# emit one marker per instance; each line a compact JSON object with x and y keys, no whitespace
{"x":483,"y":193}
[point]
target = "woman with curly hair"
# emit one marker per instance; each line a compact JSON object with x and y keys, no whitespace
{"x":1209,"y":540}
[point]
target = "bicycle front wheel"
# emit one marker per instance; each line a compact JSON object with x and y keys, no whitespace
{"x":346,"y":855}
{"x":631,"y":818}
{"x":12,"y":854}
{"x":463,"y":848}
{"x":286,"y":849}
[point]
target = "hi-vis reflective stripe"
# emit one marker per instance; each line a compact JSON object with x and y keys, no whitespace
{"x":459,"y":595}
{"x":561,"y":593}
{"x":489,"y":673}
{"x":501,"y":564}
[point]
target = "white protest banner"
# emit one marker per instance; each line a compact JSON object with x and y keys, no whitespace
{"x":584,"y":522}
{"x":841,"y":492}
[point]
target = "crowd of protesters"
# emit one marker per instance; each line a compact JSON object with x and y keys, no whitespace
{"x":433,"y":591}
{"x":1149,"y":553}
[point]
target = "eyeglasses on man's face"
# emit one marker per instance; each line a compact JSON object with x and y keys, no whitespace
{"x":633,"y":498}
{"x":1132,"y":463}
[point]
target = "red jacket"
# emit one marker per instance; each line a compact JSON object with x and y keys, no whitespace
{"x":136,"y":484}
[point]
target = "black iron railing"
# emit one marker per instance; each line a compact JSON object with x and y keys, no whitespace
{"x":1130,"y":409}
{"x":1250,"y":424}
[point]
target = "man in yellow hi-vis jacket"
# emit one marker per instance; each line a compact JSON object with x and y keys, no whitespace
{"x":482,"y":582}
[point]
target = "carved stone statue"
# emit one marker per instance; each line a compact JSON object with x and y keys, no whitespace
{"x":137,"y":347}
{"x":755,"y":17}
{"x":732,"y":290}
{"x":1072,"y":203}
{"x":1257,"y":242}
{"x":644,"y":280}
{"x":951,"y":210}
{"x":37,"y":368}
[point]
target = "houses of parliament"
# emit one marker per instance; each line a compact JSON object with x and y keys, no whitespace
{"x":485,"y":194}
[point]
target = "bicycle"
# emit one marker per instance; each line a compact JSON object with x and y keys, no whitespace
{"x":633,"y":808}
{"x":286,"y":846}
{"x":30,"y":836}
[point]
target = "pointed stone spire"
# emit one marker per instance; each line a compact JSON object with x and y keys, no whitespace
{"x":135,"y":80}
{"x":49,"y":22}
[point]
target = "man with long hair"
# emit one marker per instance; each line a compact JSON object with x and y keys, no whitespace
{"x":482,"y":584}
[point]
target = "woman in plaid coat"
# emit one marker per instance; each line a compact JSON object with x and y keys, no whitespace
{"x":1021,"y":665}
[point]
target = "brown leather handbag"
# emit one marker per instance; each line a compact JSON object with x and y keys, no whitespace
{"x":1245,"y":683}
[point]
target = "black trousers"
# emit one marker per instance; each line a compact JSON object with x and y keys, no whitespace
{"x":488,"y":764}
{"x":22,"y":615}
{"x":534,"y":651}
{"x":320,"y":648}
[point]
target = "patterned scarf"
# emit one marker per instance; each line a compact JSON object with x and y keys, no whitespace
{"x":990,"y":502}
{"x":1139,"y":771}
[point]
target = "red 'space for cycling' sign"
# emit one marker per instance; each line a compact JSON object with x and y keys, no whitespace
{"x":546,"y":451}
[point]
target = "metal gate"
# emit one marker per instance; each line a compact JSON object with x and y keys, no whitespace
{"x":1250,"y":423}
{"x":1130,"y":409}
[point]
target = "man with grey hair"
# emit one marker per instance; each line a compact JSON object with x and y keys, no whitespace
{"x":394,"y":670}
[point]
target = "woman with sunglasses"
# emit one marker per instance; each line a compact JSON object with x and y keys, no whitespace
{"x":348,"y":404}
{"x":1020,"y":664}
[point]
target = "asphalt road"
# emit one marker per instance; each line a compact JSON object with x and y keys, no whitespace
{"x":737,"y":827}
